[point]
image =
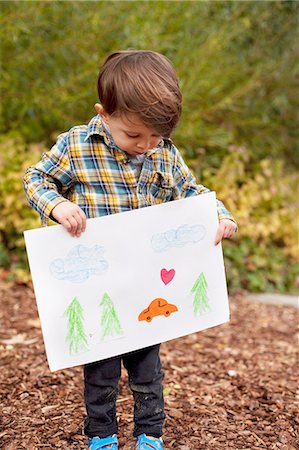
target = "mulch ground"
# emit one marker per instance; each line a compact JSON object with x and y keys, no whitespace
{"x":230,"y":387}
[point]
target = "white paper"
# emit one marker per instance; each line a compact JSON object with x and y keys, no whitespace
{"x":92,"y":291}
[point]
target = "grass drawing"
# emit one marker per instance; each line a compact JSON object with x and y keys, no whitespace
{"x":110,"y":323}
{"x":76,"y":336}
{"x":201,"y":300}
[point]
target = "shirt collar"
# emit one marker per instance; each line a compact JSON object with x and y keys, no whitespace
{"x":97,"y":127}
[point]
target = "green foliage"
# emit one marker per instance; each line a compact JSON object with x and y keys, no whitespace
{"x":239,"y":129}
{"x":236,"y":62}
{"x":16,"y":217}
{"x":262,"y":268}
{"x":264,"y":255}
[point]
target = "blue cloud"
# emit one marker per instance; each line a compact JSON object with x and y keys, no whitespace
{"x":79,"y":264}
{"x":180,"y":237}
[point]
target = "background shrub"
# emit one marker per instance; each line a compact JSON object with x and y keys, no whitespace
{"x":239,"y":128}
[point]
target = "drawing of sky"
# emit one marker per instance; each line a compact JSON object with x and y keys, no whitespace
{"x":79,"y":264}
{"x":185,"y":234}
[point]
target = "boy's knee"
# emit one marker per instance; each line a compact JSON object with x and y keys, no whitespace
{"x":143,"y":381}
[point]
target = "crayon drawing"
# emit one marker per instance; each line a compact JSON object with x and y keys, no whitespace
{"x":76,"y":336}
{"x":167,"y":275}
{"x":158,"y":307}
{"x":79,"y":264}
{"x":179,"y":237}
{"x":127,"y":280}
{"x":110,"y":323}
{"x":201,"y":300}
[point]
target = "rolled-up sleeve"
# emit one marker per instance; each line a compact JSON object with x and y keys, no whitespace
{"x":47,"y":182}
{"x":185,"y":185}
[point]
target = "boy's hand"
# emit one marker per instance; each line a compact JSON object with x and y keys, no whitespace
{"x":71,"y":217}
{"x":226,"y":229}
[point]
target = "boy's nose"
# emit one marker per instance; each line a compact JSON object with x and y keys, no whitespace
{"x":144,"y":145}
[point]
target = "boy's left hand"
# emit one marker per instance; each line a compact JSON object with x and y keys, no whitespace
{"x":226,"y":229}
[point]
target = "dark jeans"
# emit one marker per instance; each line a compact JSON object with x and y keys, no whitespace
{"x":145,"y":380}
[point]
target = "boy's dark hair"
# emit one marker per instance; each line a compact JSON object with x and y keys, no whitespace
{"x":142,"y":83}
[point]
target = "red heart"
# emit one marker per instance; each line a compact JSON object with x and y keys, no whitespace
{"x":167,"y":275}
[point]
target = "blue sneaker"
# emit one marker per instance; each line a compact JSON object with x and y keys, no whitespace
{"x":145,"y":442}
{"x":107,"y":443}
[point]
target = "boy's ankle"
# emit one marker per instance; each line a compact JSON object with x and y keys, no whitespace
{"x":153,"y":437}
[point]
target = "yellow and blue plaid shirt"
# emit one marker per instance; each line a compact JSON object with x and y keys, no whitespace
{"x":87,"y":168}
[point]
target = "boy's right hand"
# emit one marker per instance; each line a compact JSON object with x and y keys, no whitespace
{"x":71,"y":217}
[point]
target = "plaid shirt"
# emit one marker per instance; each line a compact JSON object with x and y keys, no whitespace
{"x":87,"y":168}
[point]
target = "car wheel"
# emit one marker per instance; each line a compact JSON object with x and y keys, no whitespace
{"x":167,"y":313}
{"x":148,"y":319}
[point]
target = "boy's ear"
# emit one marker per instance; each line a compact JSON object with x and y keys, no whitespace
{"x":100,"y":110}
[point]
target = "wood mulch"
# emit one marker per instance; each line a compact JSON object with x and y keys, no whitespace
{"x":230,"y":387}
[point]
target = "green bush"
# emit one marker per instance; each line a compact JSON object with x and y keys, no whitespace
{"x":237,"y":63}
{"x":16,"y":216}
{"x":263,"y":197}
{"x":264,"y":268}
{"x":263,"y":256}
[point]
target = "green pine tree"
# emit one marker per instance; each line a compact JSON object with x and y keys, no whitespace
{"x":75,"y":335}
{"x":201,"y":300}
{"x":110,"y":323}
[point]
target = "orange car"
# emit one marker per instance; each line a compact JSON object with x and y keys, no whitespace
{"x":158,"y":307}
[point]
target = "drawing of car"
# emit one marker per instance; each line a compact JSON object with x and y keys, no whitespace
{"x":158,"y":307}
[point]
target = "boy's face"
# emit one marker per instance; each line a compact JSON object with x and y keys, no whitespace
{"x":129,"y":133}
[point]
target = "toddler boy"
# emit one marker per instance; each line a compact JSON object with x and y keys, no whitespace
{"x":122,"y":160}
